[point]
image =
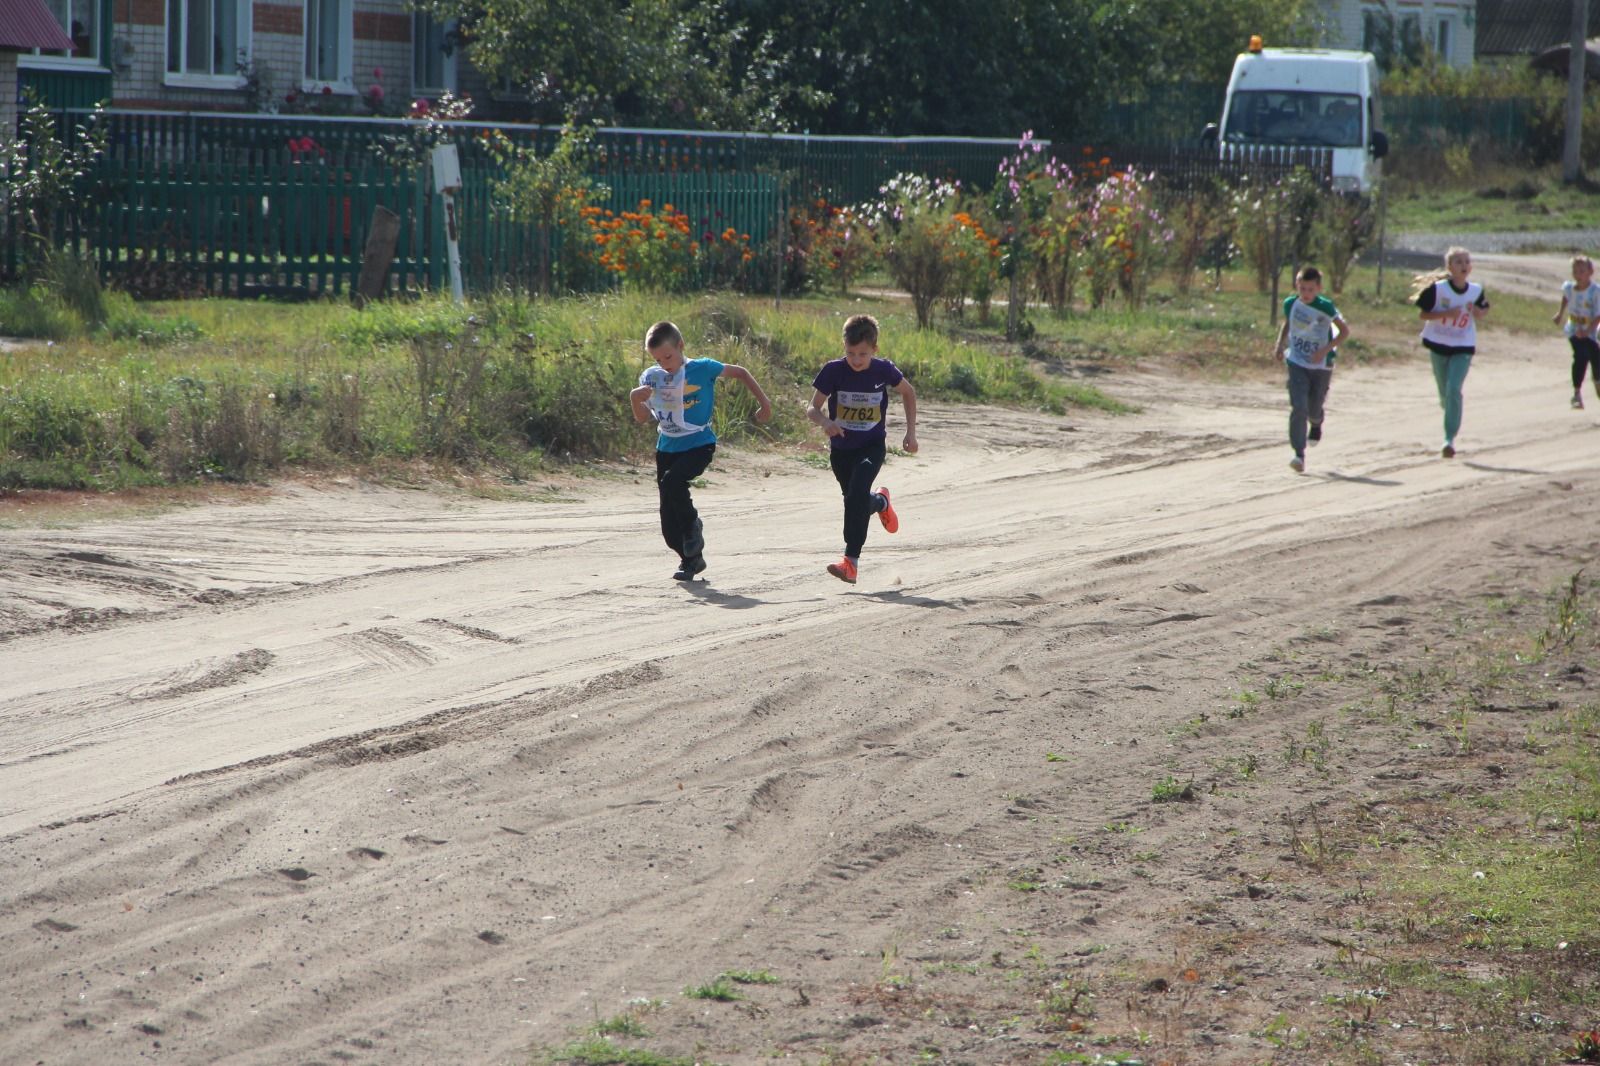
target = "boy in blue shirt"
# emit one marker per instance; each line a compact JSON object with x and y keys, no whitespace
{"x":856,"y":392}
{"x":1312,"y":331}
{"x":678,"y":394}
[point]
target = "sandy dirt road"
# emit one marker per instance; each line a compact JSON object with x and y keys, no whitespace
{"x":364,"y":775}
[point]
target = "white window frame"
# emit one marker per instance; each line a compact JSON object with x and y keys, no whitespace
{"x":184,"y":79}
{"x":448,"y":59}
{"x":38,"y":59}
{"x":1444,"y":26}
{"x":343,"y":83}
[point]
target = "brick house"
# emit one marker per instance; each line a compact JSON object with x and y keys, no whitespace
{"x":244,"y":55}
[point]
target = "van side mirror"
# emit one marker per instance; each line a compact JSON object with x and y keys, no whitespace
{"x":1380,"y":144}
{"x":1208,"y":136}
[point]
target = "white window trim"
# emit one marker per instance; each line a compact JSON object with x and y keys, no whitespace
{"x":60,"y":63}
{"x":203,"y":81}
{"x":246,"y":48}
{"x":344,"y":86}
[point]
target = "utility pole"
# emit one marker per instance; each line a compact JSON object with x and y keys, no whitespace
{"x":1577,"y":74}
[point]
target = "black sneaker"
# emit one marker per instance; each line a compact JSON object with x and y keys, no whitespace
{"x":694,"y":542}
{"x":1316,"y":432}
{"x":689,"y":568}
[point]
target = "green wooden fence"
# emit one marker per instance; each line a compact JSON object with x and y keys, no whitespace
{"x":237,"y":228}
{"x":234,"y":201}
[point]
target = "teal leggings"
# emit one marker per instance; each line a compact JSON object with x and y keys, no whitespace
{"x":1450,"y":373}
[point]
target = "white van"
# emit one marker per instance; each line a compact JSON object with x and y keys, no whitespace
{"x":1306,"y":98}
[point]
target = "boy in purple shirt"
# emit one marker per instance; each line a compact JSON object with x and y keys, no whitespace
{"x":855,"y":390}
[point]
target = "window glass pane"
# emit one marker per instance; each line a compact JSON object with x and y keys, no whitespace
{"x":312,"y":7}
{"x":174,"y":36}
{"x":83,"y":29}
{"x":1325,"y":120}
{"x":199,"y":38}
{"x":427,"y":52}
{"x":225,"y":52}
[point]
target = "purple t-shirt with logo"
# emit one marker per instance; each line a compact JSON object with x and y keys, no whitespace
{"x":858,"y":400}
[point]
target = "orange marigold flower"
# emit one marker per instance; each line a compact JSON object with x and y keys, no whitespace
{"x":747,"y":257}
{"x":643,"y":204}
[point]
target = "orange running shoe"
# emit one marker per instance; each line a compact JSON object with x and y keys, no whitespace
{"x":844,"y":570}
{"x":890,"y":520}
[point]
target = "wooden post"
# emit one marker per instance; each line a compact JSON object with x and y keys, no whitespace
{"x":1383,"y":215}
{"x":1577,"y":73}
{"x":377,"y":255}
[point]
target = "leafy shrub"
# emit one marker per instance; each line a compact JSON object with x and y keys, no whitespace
{"x":912,"y":226}
{"x":36,"y":312}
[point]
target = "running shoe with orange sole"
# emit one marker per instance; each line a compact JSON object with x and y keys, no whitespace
{"x":844,"y":570}
{"x":890,"y":520}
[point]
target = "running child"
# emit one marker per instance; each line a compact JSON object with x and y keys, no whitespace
{"x":856,"y":392}
{"x":678,"y":394}
{"x":1312,"y":331}
{"x":1580,"y":303}
{"x":1451,"y":307}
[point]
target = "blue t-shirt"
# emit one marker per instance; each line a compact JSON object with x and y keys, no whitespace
{"x":858,"y":400}
{"x":682,"y":403}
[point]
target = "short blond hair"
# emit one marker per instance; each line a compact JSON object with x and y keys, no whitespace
{"x":1582,"y":260}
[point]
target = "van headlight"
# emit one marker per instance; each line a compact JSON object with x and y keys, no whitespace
{"x":1346,"y":183}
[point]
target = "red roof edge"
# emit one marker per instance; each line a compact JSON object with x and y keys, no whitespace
{"x":29,"y":24}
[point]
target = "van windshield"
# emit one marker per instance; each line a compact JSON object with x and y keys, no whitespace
{"x":1325,"y":120}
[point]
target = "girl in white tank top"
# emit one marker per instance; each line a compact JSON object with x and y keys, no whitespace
{"x":1580,"y":307}
{"x":1450,"y":308}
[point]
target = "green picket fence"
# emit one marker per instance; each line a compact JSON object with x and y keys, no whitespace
{"x":233,"y":201}
{"x":235,"y":228}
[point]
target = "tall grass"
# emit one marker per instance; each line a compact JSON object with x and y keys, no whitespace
{"x":236,"y":390}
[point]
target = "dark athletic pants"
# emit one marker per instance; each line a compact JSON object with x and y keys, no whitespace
{"x":1585,"y":354}
{"x":1308,"y":391}
{"x":855,"y":469}
{"x":680,"y":523}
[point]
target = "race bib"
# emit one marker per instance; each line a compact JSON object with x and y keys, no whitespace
{"x":859,"y":411}
{"x":1309,"y":329}
{"x":666,"y":404}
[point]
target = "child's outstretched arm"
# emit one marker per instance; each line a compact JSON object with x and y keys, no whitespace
{"x":819,"y":417}
{"x":739,"y":373}
{"x":1560,"y":310}
{"x":1341,"y":333}
{"x":640,"y":399}
{"x":1283,"y":339}
{"x":908,"y":397}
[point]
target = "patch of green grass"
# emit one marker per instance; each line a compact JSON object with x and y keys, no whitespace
{"x":1170,"y":790}
{"x":721,"y":990}
{"x":598,"y":1051}
{"x":751,"y":977}
{"x":1491,"y":199}
{"x":620,"y":1025}
{"x":181,"y":391}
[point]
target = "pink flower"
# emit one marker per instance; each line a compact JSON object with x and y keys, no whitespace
{"x":377,"y":72}
{"x":376,"y":92}
{"x":327,"y":90}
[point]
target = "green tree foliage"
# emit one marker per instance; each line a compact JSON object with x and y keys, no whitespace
{"x":858,"y":66}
